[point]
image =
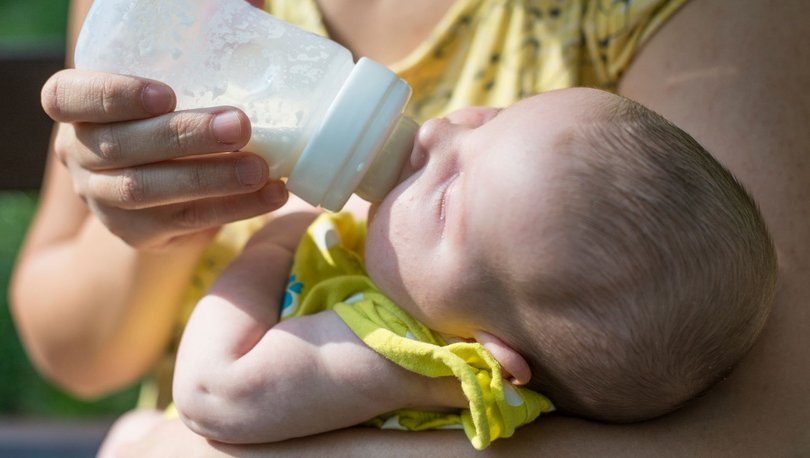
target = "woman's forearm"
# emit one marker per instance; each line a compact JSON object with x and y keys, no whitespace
{"x":678,"y":435}
{"x":706,"y":71}
{"x":94,"y":313}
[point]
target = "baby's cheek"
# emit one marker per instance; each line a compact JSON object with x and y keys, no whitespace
{"x":385,"y":274}
{"x":389,"y":271}
{"x":381,"y":260}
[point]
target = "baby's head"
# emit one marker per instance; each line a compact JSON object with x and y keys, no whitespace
{"x":591,"y":237}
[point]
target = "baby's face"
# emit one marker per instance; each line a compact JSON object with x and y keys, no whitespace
{"x":469,"y":216}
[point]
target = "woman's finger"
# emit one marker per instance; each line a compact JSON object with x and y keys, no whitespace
{"x":170,"y":136}
{"x":80,"y":96}
{"x":160,"y":226}
{"x":172,"y":182}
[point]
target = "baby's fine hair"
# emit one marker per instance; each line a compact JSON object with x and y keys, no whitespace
{"x":667,"y":276}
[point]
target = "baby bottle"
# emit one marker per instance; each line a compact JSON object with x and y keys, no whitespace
{"x":330,"y":126}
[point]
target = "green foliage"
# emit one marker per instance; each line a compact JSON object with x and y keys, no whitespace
{"x":22,"y":390}
{"x":32,"y":24}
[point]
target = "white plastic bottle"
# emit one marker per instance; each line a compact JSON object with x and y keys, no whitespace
{"x":332,"y":127}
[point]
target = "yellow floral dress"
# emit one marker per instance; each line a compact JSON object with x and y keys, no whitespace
{"x":483,"y":52}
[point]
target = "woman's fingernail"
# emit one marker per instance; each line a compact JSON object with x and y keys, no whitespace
{"x":157,"y":99}
{"x":275,"y":193}
{"x":250,"y":171}
{"x":227,"y":127}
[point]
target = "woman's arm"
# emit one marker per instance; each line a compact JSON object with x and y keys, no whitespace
{"x":76,"y":299}
{"x":735,"y":75}
{"x":95,"y":313}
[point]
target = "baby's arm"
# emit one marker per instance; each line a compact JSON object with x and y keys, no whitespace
{"x":242,"y":377}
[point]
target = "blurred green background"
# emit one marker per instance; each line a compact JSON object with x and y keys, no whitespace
{"x":32,"y":24}
{"x":32,"y":28}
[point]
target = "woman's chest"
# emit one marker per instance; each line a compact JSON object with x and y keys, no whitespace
{"x":384,"y":30}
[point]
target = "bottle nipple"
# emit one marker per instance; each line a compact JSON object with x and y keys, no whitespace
{"x":384,"y":172}
{"x":362,"y":139}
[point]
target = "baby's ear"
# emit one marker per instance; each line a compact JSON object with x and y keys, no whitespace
{"x":513,"y":365}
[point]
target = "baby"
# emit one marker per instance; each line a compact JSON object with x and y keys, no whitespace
{"x":595,"y":251}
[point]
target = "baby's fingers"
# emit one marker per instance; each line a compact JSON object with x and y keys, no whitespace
{"x":80,"y":96}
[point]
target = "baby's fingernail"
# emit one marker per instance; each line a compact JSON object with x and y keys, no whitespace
{"x":250,"y":171}
{"x":227,"y":127}
{"x":275,"y":193}
{"x":157,"y":99}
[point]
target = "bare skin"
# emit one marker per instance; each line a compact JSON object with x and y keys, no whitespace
{"x":368,"y":28}
{"x":733,"y":74}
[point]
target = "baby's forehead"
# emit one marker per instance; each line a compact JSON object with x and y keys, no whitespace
{"x":547,"y":126}
{"x":574,"y":103}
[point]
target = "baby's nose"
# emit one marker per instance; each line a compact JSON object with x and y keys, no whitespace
{"x":435,"y":136}
{"x":431,"y":132}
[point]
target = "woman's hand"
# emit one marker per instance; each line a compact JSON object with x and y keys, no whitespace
{"x":153,"y":175}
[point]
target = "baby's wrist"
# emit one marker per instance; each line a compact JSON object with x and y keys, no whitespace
{"x":431,"y":393}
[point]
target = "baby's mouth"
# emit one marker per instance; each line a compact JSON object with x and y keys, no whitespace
{"x":414,"y":164}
